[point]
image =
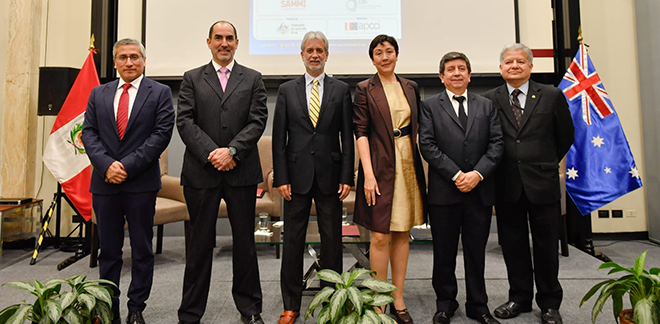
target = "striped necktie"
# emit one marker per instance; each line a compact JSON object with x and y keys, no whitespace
{"x":314,"y":103}
{"x":122,"y":111}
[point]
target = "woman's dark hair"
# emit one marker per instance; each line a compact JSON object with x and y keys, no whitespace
{"x":380,"y":39}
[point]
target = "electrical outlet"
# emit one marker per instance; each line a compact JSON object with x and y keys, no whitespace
{"x":630,"y":213}
{"x":618,"y":213}
{"x":603,"y":213}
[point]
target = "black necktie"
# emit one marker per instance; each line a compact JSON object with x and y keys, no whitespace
{"x":515,"y":105}
{"x":462,"y":117}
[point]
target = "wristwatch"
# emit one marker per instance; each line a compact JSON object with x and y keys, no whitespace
{"x":231,"y":150}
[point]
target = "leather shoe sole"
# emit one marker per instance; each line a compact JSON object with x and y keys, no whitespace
{"x":288,"y":317}
{"x":551,"y":316}
{"x":485,"y":319}
{"x":441,"y":317}
{"x":510,"y":309}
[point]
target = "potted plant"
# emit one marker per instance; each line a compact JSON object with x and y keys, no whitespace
{"x":642,"y":286}
{"x":345,"y":303}
{"x":87,"y":302}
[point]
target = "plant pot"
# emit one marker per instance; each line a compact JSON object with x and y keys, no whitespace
{"x":626,"y":317}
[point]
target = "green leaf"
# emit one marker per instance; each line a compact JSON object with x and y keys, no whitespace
{"x":67,"y":298}
{"x":330,"y":276}
{"x":54,"y":282}
{"x":593,"y":290}
{"x":101,"y":293}
{"x":103,"y":311}
{"x":639,"y":264}
{"x":378,"y":285}
{"x":76,"y":280}
{"x":100,"y":281}
{"x":6,"y":313}
{"x":386,"y":319}
{"x":598,"y":306}
{"x":22,"y":285}
{"x":371,"y":314}
{"x":88,"y":300}
{"x":382,"y":299}
{"x":351,"y":318}
{"x":655,"y":271}
{"x":337,"y":303}
{"x":617,"y":302}
{"x":53,"y":309}
{"x":71,"y":316}
{"x":643,"y":313}
{"x":321,"y":297}
{"x":367,"y":297}
{"x":324,"y":315}
{"x":345,"y":278}
{"x":21,"y":315}
{"x":355,"y":297}
{"x":358,"y":273}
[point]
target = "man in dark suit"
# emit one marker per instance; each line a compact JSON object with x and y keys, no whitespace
{"x":538,"y":131}
{"x":313,"y":158}
{"x":221,"y":115}
{"x":461,"y":139}
{"x":128,"y":124}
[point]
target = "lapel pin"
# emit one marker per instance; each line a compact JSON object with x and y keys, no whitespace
{"x":533,"y":96}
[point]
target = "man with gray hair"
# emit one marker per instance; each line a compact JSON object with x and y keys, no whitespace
{"x":538,"y":131}
{"x":313,"y":158}
{"x":128,"y":124}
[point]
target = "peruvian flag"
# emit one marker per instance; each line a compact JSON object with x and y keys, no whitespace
{"x":65,"y":154}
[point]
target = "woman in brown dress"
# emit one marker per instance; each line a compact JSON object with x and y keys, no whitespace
{"x":391,"y":187}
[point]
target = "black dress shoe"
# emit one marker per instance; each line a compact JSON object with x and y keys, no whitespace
{"x":135,"y":317}
{"x":511,"y":309}
{"x":441,"y":317}
{"x":551,"y":316}
{"x":401,"y":316}
{"x":116,"y":320}
{"x":485,"y":319}
{"x":182,"y":322}
{"x":253,"y":319}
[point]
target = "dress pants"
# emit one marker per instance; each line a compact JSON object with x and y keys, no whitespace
{"x":470,"y":220}
{"x":203,"y":205}
{"x":512,"y":226}
{"x":112,"y":211}
{"x":296,"y":217}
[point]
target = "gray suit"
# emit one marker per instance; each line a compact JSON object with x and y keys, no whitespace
{"x":207,"y":119}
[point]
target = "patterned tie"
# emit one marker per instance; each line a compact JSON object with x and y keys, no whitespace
{"x":515,"y":105}
{"x":122,"y":111}
{"x":223,"y":77}
{"x":314,"y":103}
{"x":462,"y":117}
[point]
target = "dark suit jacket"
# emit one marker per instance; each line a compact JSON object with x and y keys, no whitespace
{"x":147,"y":134}
{"x":372,"y":118}
{"x":208,"y":118}
{"x":448,"y":148}
{"x":532,"y":151}
{"x":302,"y":151}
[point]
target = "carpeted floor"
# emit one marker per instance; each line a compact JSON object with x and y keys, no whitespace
{"x":577,"y":274}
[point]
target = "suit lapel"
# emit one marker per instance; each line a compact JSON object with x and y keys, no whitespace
{"x":378,"y":95}
{"x":211,"y":77}
{"x":533,"y":97}
{"x":502,"y":97}
{"x":446,"y":105}
{"x":235,"y":78}
{"x":472,"y":111}
{"x":328,"y":86}
{"x":140,"y":98}
{"x":109,"y":94}
{"x":301,"y":90}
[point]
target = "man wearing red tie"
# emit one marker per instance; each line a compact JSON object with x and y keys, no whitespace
{"x":128,"y":124}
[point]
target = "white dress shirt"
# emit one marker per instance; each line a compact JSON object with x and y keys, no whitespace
{"x":132,"y":93}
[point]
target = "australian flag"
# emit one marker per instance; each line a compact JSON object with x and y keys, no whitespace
{"x":599,"y":166}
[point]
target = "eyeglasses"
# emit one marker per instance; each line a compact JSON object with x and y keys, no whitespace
{"x":123,"y":58}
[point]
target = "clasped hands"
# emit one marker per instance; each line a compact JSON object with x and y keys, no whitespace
{"x":466,"y":181}
{"x":221,"y":160}
{"x":115,"y":173}
{"x":285,"y":191}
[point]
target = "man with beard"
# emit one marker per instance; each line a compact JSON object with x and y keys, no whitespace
{"x":313,"y":158}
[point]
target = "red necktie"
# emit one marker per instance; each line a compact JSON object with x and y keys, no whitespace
{"x":122,"y":111}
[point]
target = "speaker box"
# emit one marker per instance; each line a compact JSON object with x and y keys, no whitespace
{"x":54,"y":86}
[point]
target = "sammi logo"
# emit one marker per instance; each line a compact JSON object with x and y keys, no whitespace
{"x":293,"y":4}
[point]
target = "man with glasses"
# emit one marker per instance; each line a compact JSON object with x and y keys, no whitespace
{"x":128,"y":124}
